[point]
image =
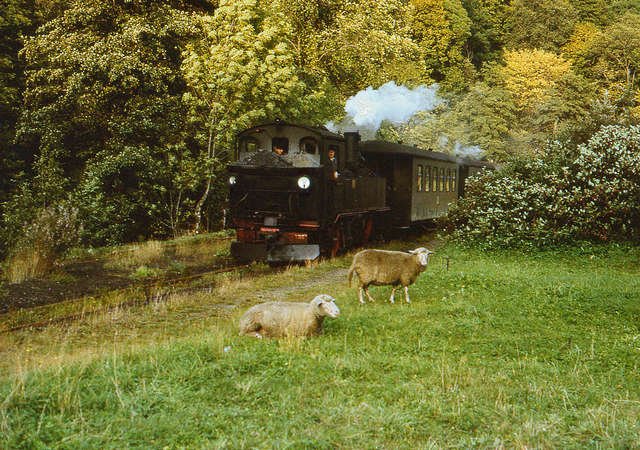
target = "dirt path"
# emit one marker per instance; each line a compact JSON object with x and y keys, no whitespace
{"x":324,"y":280}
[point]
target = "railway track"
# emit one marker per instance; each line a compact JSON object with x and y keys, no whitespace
{"x":154,"y":292}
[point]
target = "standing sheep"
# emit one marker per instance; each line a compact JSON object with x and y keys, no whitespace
{"x":383,"y":267}
{"x":278,"y":319}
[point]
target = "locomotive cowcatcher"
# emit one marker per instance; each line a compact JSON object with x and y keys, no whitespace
{"x":289,"y":201}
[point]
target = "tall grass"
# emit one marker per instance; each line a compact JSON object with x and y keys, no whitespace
{"x":49,"y":234}
{"x":149,"y":253}
{"x":502,"y":350}
{"x":27,"y":264}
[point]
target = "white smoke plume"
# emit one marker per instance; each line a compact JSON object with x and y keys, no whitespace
{"x":397,"y":104}
{"x":470,"y":151}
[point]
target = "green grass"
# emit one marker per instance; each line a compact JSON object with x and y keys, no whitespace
{"x":503,"y":349}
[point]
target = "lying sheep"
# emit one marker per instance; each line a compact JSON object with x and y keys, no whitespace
{"x":277,"y":319}
{"x":383,"y":267}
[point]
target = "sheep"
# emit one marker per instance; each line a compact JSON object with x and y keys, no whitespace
{"x":383,"y":267}
{"x":279,"y":319}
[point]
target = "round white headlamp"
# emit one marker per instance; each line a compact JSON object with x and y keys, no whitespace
{"x":232,"y":180}
{"x":304,"y":182}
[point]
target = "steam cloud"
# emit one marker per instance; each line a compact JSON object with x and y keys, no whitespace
{"x":397,"y":104}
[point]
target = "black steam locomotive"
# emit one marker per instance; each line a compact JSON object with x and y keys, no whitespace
{"x":298,"y":192}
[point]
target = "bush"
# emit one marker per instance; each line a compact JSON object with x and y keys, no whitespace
{"x":54,"y":230}
{"x":120,"y":196}
{"x":592,"y":193}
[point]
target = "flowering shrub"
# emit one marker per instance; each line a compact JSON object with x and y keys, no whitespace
{"x":592,"y":193}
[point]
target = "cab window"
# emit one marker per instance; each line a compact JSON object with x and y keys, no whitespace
{"x":419,"y":178}
{"x":309,"y":145}
{"x":248,"y":145}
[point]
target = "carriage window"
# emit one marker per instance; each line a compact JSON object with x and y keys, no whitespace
{"x":419,"y":179}
{"x":454,"y":172}
{"x":442,"y":180}
{"x":308,"y":145}
{"x":447,"y":181}
{"x":280,"y":145}
{"x":434,"y":179}
{"x":249,"y":145}
{"x":427,"y":179}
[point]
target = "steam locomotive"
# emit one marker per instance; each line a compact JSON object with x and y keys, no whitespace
{"x":288,"y":201}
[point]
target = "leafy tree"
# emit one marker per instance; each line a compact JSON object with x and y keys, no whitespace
{"x":368,"y":45}
{"x":542,"y":24}
{"x":442,"y":28}
{"x":593,"y":11}
{"x":549,"y":97}
{"x":241,"y":73}
{"x":620,"y":7}
{"x":610,"y":57}
{"x":618,"y":51}
{"x":102,"y":78}
{"x":530,"y":76}
{"x":487,"y":30}
{"x":17,"y":20}
{"x":485,"y":117}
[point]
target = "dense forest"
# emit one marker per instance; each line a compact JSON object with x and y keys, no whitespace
{"x":117,"y":118}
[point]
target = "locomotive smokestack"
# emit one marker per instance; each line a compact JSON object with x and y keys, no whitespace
{"x":352,"y":140}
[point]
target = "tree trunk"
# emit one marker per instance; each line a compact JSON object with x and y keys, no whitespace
{"x":211,"y":151}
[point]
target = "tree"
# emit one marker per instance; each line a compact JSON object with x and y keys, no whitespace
{"x":16,"y":22}
{"x":242,"y":72}
{"x":611,"y":58}
{"x":618,"y":51}
{"x":368,"y":45}
{"x":541,"y":24}
{"x":442,"y":28}
{"x":549,"y":98}
{"x":487,"y":31}
{"x":593,"y":11}
{"x":103,"y":78}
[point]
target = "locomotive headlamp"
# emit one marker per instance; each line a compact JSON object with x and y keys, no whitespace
{"x":304,"y":182}
{"x":232,"y":180}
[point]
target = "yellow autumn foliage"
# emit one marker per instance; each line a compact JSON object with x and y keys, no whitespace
{"x":531,"y":75}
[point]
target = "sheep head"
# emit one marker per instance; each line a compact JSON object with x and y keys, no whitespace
{"x":326,"y":306}
{"x":423,"y":255}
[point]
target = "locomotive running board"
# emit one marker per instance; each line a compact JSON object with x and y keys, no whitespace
{"x":291,"y":253}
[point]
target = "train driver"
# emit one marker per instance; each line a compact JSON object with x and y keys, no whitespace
{"x":333,"y":164}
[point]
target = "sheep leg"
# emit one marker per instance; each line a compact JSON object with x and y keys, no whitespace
{"x":406,"y":294}
{"x":360,"y":295}
{"x":392,"y":299}
{"x":366,"y":291}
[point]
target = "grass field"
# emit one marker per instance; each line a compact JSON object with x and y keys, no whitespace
{"x":501,"y":350}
